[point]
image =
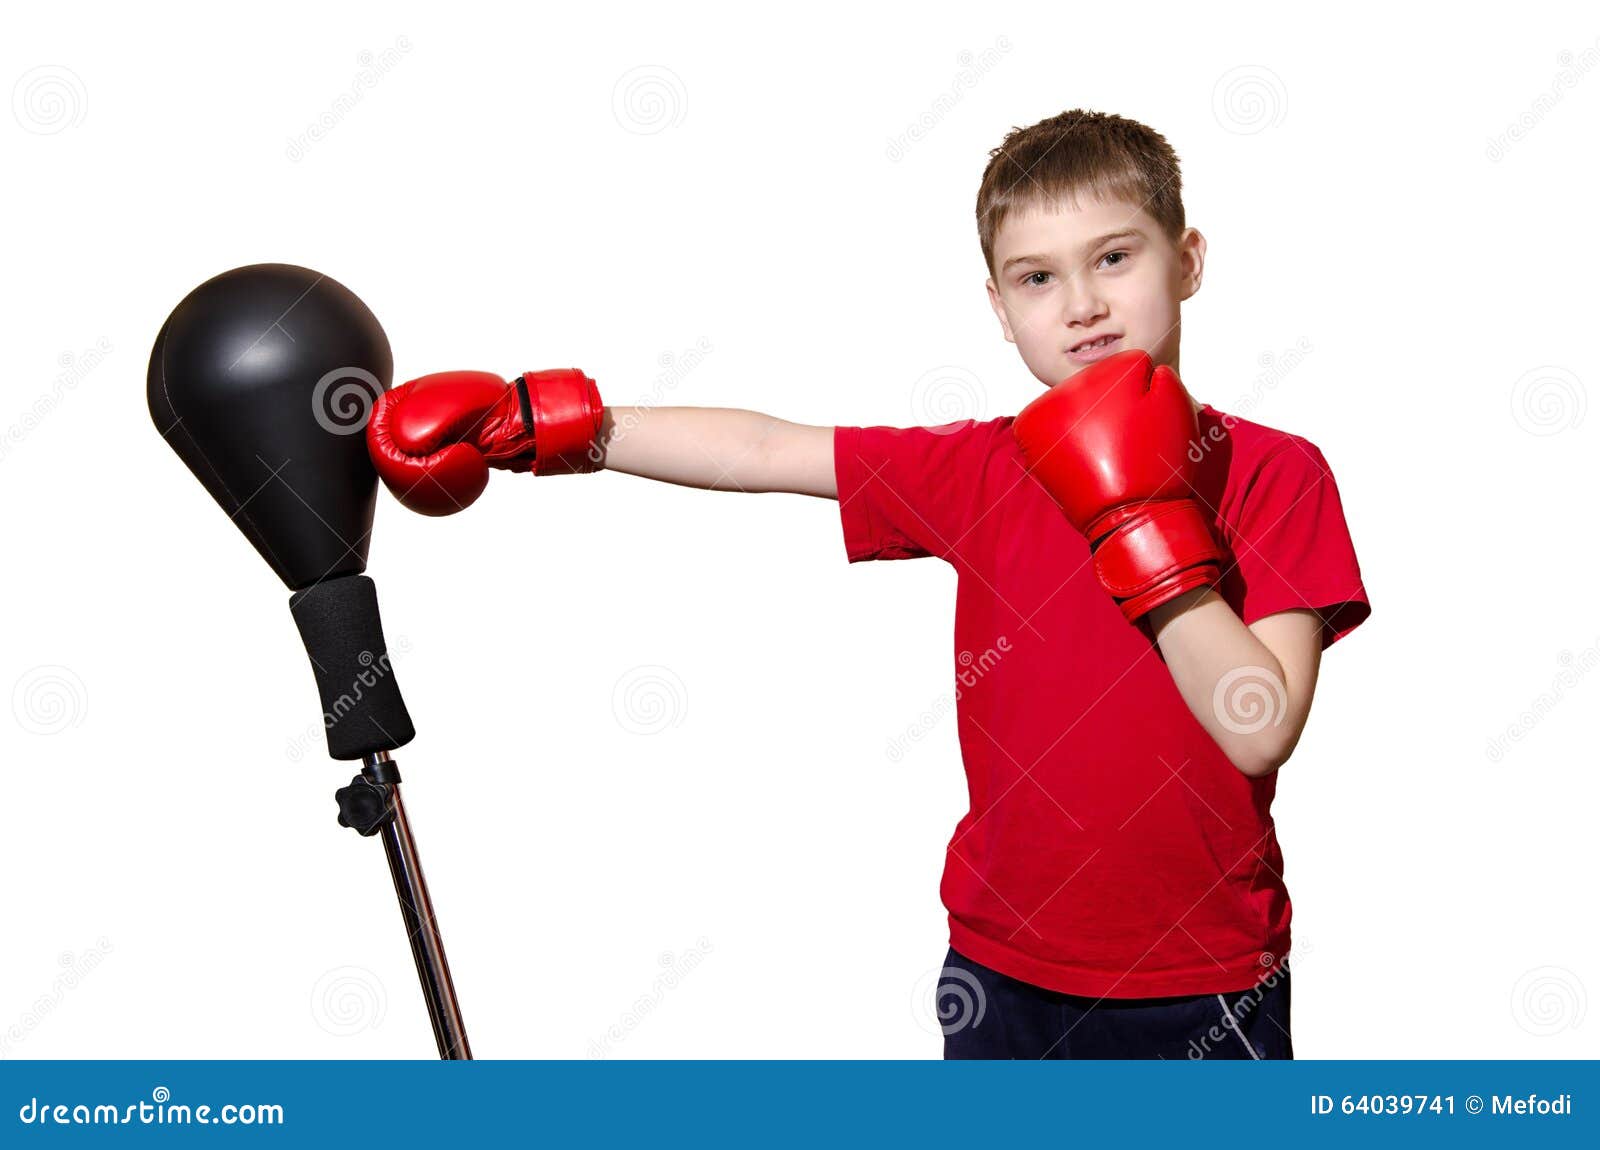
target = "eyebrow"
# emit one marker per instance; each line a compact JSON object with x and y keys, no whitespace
{"x":1120,"y":234}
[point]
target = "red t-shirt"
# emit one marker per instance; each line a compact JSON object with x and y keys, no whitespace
{"x":1111,"y":849}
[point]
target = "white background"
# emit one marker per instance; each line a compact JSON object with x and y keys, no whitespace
{"x":654,"y":722}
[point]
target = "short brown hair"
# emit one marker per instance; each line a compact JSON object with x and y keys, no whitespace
{"x":1080,"y":152}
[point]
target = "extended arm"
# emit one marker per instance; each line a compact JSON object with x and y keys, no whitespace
{"x":434,"y":439}
{"x":719,"y":449}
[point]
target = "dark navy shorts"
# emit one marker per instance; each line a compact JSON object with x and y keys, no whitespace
{"x":986,"y":1014}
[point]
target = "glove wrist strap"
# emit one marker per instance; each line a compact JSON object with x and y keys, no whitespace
{"x":562,"y":413}
{"x":1148,"y":553}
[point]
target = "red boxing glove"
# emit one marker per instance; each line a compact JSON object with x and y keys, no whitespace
{"x":434,"y":439}
{"x":1111,"y":446}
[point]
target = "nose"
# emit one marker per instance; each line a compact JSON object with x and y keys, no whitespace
{"x":1082,"y":305}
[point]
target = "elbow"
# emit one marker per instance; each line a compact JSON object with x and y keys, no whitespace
{"x":1261,"y":758}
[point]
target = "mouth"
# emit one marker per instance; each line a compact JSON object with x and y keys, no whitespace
{"x":1089,"y":350}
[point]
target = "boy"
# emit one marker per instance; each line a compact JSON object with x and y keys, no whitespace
{"x":1152,"y":583}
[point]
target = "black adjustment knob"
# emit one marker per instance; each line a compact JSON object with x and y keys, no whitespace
{"x":364,"y":806}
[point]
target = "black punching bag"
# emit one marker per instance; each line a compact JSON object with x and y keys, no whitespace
{"x":262,"y":380}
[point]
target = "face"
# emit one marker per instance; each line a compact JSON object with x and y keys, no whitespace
{"x":1068,"y":276}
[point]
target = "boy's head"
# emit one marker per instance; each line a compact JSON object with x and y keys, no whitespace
{"x":1081,"y":221}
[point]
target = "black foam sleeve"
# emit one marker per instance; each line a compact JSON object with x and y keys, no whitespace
{"x":361,"y":705}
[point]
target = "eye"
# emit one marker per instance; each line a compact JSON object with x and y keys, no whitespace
{"x":1124,"y":257}
{"x":1030,"y":281}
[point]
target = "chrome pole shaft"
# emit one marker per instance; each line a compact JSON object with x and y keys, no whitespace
{"x":422,"y":928}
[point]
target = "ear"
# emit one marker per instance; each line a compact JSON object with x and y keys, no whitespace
{"x":1191,"y":262}
{"x":999,"y":310}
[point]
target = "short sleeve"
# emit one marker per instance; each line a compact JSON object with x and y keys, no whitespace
{"x":1292,"y":546}
{"x":906,"y":492}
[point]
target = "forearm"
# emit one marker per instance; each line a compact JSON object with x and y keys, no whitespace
{"x":719,"y":449}
{"x":1232,"y":682}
